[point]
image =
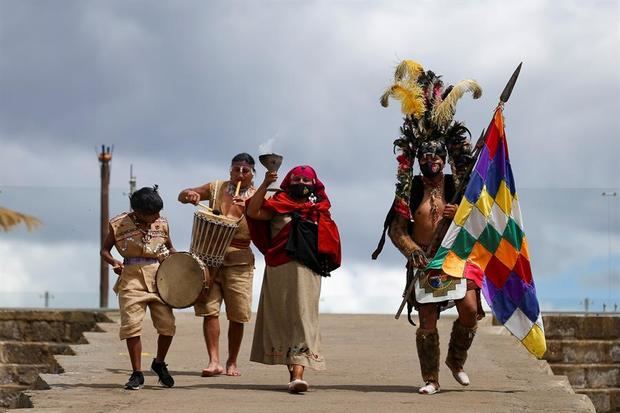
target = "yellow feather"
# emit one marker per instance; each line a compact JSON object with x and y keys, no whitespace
{"x":411,"y":98}
{"x":444,"y":112}
{"x":409,"y":70}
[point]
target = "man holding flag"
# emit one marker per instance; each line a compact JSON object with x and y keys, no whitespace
{"x":484,"y":247}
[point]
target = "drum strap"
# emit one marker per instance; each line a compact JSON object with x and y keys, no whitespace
{"x":139,"y":261}
{"x":215,"y":194}
{"x":240,"y":243}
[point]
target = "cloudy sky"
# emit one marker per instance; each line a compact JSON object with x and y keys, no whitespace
{"x":180,"y":87}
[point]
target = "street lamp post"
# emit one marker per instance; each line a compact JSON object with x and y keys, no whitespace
{"x":105,"y":157}
{"x":609,"y":196}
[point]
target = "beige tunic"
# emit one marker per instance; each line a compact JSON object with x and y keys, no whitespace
{"x":131,"y":242}
{"x":136,"y":286}
{"x":287,"y":322}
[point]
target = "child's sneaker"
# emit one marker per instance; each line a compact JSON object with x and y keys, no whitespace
{"x":136,"y":381}
{"x":161,"y":370}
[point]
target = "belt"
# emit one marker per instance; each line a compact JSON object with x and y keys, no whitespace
{"x":240,"y":243}
{"x":139,"y":260}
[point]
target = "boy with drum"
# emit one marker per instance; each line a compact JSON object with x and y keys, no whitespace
{"x":232,"y":282}
{"x":142,"y":238}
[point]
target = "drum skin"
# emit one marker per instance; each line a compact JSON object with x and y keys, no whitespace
{"x":180,"y":279}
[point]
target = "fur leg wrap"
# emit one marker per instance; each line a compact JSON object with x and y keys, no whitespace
{"x":427,"y":342}
{"x":460,"y":341}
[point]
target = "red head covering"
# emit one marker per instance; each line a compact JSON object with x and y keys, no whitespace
{"x":281,"y":203}
{"x":307,"y":172}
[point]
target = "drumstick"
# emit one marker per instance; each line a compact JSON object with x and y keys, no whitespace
{"x":200,"y":204}
{"x":238,"y":187}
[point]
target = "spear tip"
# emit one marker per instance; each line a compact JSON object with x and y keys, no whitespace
{"x":510,"y":85}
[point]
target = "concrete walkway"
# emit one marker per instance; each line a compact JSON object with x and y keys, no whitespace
{"x":372,"y":367}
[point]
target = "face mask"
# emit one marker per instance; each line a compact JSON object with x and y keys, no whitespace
{"x":427,"y":170}
{"x":300,"y":191}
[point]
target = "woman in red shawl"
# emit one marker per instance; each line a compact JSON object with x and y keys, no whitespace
{"x":300,"y":241}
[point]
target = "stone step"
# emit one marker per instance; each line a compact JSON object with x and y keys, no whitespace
{"x":582,"y":326}
{"x":505,"y":377}
{"x":32,"y":352}
{"x":25,"y":374}
{"x":55,"y":326}
{"x":53,"y":331}
{"x":65,"y":315}
{"x":10,"y":395}
{"x":605,"y":400}
{"x":583,"y":351}
{"x":13,"y":387}
{"x":589,"y":376}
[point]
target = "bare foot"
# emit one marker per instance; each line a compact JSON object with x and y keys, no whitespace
{"x":231,"y":369}
{"x":213,"y":369}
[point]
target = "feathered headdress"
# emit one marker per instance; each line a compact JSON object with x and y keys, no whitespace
{"x":429,"y":121}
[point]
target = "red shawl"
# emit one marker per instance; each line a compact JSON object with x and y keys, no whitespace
{"x":328,"y":236}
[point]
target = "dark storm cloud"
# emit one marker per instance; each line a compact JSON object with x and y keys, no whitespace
{"x":177,"y":82}
{"x":179,"y":87}
{"x":202,"y":80}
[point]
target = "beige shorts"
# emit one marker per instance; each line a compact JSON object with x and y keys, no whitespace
{"x":233,"y":285}
{"x":133,"y":298}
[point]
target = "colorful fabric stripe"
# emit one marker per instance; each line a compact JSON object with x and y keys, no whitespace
{"x":486,"y":243}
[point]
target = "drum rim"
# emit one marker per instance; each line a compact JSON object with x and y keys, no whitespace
{"x":201,"y":265}
{"x":225,"y":219}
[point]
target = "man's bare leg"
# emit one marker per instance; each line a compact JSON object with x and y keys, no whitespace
{"x":163,"y":344}
{"x":134,"y":346}
{"x":211,"y":330}
{"x":428,"y":314}
{"x":235,"y":335}
{"x":468,"y":309}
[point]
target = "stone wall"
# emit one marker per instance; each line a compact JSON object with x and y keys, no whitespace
{"x":586,"y":349}
{"x":29,"y":339}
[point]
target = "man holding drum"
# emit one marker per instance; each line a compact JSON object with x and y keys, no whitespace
{"x":232,"y":282}
{"x":142,"y":238}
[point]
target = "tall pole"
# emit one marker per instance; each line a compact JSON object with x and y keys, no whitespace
{"x":104,"y":159}
{"x":609,"y":195}
{"x":47,"y":296}
{"x":132,"y":182}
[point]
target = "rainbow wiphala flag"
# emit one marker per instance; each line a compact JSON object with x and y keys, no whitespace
{"x":486,"y":243}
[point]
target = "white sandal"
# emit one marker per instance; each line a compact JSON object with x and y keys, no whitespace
{"x":461,"y":377}
{"x":430,"y":388}
{"x":298,"y":386}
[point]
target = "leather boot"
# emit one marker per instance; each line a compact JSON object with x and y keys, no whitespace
{"x":427,"y":342}
{"x":460,"y":341}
